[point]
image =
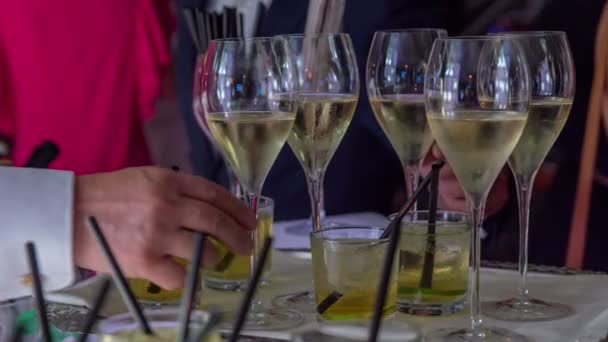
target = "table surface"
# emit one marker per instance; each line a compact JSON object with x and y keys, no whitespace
{"x":587,"y":293}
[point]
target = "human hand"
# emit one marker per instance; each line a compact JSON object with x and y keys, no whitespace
{"x":451,"y":194}
{"x":148,"y":216}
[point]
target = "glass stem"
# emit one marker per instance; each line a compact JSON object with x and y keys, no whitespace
{"x":524,"y":195}
{"x":235,"y":186}
{"x":321,"y":205}
{"x":315,"y":192}
{"x":252,"y":201}
{"x":477,"y":211}
{"x":411,"y":171}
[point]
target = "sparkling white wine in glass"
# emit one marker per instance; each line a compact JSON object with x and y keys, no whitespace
{"x":552,"y":71}
{"x":327,"y":91}
{"x":251,"y":141}
{"x":546,"y":119}
{"x":321,"y":121}
{"x":477,"y":144}
{"x":395,"y":77}
{"x":247,"y":98}
{"x":477,"y":93}
{"x":403,"y":120}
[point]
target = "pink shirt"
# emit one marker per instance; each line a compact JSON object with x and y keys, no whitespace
{"x":84,"y":74}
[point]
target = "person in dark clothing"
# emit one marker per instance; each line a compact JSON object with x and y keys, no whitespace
{"x":365,"y":173}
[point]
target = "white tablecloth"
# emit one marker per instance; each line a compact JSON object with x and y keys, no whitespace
{"x":588,"y":294}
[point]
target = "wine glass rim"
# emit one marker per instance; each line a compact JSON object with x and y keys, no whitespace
{"x":245,"y":40}
{"x":528,"y":33}
{"x":312,"y":36}
{"x":320,"y":234}
{"x":413,"y":30}
{"x":470,"y":38}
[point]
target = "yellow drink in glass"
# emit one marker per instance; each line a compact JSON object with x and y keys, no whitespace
{"x":164,"y":323}
{"x":348,"y":261}
{"x":148,"y":292}
{"x":232,"y":271}
{"x":446,"y":253}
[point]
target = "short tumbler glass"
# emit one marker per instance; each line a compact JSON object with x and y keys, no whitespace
{"x":163,"y":322}
{"x":433,"y":263}
{"x":347,"y":265}
{"x":232,"y":272}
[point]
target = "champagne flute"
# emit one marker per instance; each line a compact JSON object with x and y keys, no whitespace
{"x":247,"y":99}
{"x":327,"y":83}
{"x":477,"y":94}
{"x":553,"y":82}
{"x":395,"y":84}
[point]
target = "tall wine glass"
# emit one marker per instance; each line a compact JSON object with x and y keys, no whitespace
{"x":197,"y":106}
{"x":327,"y":83}
{"x":247,"y":98}
{"x":552,"y":75}
{"x":395,"y":84}
{"x":477,"y":94}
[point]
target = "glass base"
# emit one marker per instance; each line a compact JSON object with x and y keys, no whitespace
{"x":268,"y":319}
{"x":304,"y":228}
{"x":303,"y":301}
{"x":524,"y":310}
{"x":230,"y":285}
{"x":485,"y":334}
{"x":427,"y":309}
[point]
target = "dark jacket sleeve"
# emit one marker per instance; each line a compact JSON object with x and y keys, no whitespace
{"x":205,"y":161}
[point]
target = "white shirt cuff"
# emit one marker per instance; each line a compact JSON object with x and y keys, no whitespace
{"x":35,"y":205}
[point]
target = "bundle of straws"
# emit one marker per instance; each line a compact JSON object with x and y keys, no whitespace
{"x":206,"y":26}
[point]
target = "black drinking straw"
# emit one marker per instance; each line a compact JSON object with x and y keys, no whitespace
{"x":389,"y":260}
{"x":30,"y":249}
{"x":426,"y":279}
{"x":232,"y":22}
{"x":94,"y":312}
{"x":334,"y":296}
{"x":208,"y":27}
{"x":119,"y":278}
{"x":240,"y":26}
{"x":201,"y":27}
{"x":213,"y":18}
{"x":224,"y":15}
{"x":251,"y":288}
{"x":407,"y":206}
{"x":190,"y":17}
{"x":191,"y":286}
{"x":260,"y":15}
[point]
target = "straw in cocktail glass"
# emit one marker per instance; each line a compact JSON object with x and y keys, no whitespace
{"x":30,"y":249}
{"x":189,"y":294}
{"x":119,"y":278}
{"x":426,"y":279}
{"x":251,"y":289}
{"x":389,"y":260}
{"x":334,"y":296}
{"x":94,"y":312}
